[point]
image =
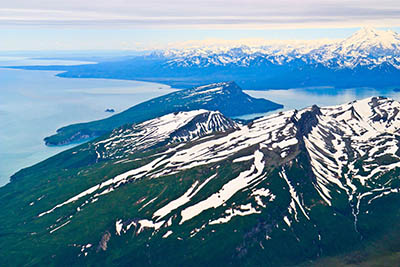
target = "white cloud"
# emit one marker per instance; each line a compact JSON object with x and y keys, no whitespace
{"x":201,"y":14}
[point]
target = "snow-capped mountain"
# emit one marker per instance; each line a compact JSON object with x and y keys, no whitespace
{"x":171,"y":128}
{"x":367,"y":47}
{"x":333,"y":137}
{"x":371,"y":41}
{"x":283,"y":189}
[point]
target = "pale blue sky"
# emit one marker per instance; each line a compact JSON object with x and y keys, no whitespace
{"x":20,"y":38}
{"x":132,"y":24}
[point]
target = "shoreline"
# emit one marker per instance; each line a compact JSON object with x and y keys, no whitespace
{"x":29,"y":90}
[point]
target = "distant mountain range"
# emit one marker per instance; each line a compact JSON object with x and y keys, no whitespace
{"x":225,"y":97}
{"x":368,"y":48}
{"x":369,"y":57}
{"x":318,"y":186}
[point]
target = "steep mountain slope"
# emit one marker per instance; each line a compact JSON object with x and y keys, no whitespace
{"x":226,"y":97}
{"x":285,"y":189}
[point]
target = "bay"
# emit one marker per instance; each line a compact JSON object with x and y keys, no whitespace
{"x":33,"y":104}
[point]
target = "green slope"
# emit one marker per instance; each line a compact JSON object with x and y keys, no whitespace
{"x":27,"y":239}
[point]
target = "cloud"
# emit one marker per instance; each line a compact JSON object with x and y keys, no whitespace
{"x":201,"y":14}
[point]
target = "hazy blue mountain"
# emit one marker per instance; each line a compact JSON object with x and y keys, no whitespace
{"x":318,"y":186}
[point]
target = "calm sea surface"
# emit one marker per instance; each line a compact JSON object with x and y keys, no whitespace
{"x":33,"y":104}
{"x":322,"y":96}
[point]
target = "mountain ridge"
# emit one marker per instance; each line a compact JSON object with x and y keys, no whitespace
{"x":373,"y":46}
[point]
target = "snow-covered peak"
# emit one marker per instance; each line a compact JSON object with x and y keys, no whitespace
{"x":371,"y":41}
{"x":213,"y":88}
{"x":367,"y":31}
{"x":375,"y":114}
{"x":173,"y":127}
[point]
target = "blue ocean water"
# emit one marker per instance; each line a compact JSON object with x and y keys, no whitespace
{"x":299,"y":98}
{"x":33,"y":104}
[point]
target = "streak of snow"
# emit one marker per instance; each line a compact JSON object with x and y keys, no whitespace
{"x":118,"y":227}
{"x":243,"y":210}
{"x":167,"y":234}
{"x":228,"y":190}
{"x":62,"y":225}
{"x":293,"y":194}
{"x":182,"y":200}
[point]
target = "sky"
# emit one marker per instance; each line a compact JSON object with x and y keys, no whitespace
{"x":133,"y":24}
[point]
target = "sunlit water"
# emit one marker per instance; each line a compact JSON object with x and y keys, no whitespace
{"x":33,"y":104}
{"x":322,"y":96}
{"x":26,"y":61}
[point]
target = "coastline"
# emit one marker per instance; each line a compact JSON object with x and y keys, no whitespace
{"x":36,"y":103}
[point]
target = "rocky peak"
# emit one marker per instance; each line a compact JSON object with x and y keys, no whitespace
{"x":306,"y":120}
{"x":174,"y":127}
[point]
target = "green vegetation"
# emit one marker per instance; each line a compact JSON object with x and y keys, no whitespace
{"x":27,"y":239}
{"x":85,"y":208}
